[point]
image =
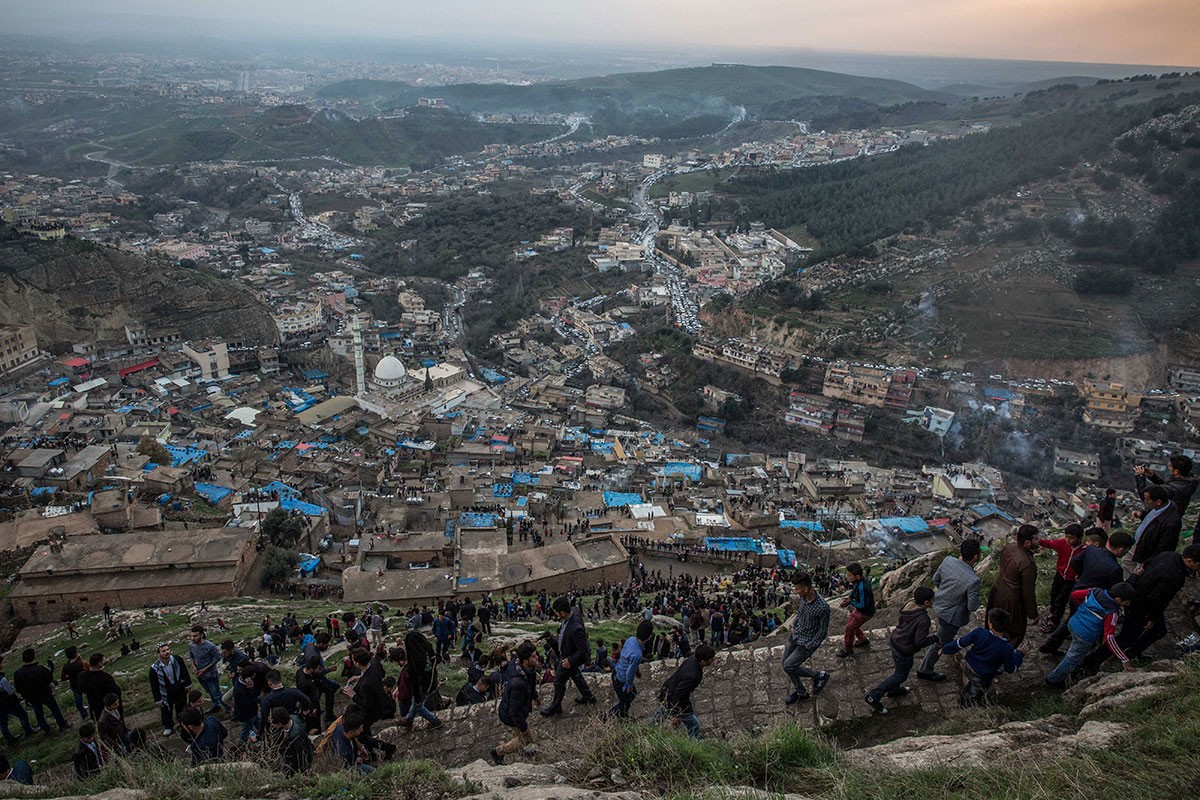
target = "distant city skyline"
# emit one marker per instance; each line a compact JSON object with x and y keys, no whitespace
{"x":1108,"y":31}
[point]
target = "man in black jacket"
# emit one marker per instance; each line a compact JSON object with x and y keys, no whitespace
{"x":87,"y":756}
{"x":95,"y":683}
{"x":292,"y":742}
{"x":574,"y":651}
{"x":520,"y":693}
{"x":1096,"y":567}
{"x":373,"y":699}
{"x":676,"y":694}
{"x":35,"y":683}
{"x":1179,"y":483}
{"x":1159,"y":529}
{"x":1160,"y":580}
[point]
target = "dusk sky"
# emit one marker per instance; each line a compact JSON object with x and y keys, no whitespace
{"x":1113,"y":31}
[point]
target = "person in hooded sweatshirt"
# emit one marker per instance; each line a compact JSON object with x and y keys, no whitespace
{"x":910,"y":636}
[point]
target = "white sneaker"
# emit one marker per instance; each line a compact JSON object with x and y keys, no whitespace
{"x":1190,"y":640}
{"x":168,"y":731}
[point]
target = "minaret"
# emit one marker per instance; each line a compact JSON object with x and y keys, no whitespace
{"x":360,"y":373}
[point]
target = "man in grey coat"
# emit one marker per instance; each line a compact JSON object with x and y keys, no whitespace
{"x":956,"y":599}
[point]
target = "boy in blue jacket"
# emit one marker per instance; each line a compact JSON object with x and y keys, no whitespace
{"x":987,"y":653}
{"x":1098,"y":615}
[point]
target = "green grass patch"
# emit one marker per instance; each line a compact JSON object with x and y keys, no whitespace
{"x":665,"y":761}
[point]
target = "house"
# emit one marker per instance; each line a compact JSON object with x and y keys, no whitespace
{"x":80,"y":575}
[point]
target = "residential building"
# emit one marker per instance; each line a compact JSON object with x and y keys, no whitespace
{"x":18,"y":346}
{"x":1076,"y":464}
{"x":1110,"y":406}
{"x":212,"y":357}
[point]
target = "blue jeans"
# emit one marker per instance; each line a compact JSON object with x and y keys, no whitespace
{"x":248,"y":727}
{"x":78,"y":695}
{"x":690,"y":722}
{"x":418,"y":707}
{"x":1075,"y":654}
{"x":21,"y":772}
{"x":624,"y":698}
{"x":902,"y":666}
{"x":211,"y":681}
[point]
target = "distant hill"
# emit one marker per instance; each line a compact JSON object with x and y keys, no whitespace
{"x":295,"y":131}
{"x":683,"y":92}
{"x":71,"y":290}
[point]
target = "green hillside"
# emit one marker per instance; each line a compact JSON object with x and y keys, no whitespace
{"x":286,"y":132}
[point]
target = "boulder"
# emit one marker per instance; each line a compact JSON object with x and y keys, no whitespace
{"x":1108,"y":687}
{"x":896,"y":587}
{"x":1015,"y":740}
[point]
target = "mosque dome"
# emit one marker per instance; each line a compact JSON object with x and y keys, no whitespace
{"x":389,"y":371}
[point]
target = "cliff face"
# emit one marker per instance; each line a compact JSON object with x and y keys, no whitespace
{"x":71,"y":290}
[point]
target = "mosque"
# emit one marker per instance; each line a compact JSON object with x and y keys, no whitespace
{"x":394,"y":392}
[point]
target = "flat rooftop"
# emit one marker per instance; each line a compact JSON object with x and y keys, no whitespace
{"x":150,"y":550}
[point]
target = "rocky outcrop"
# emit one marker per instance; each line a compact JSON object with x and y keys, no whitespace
{"x":1109,"y":690}
{"x":896,"y":587}
{"x":1056,"y":734}
{"x":71,"y":290}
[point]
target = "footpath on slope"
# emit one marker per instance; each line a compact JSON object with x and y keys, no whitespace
{"x":742,"y":692}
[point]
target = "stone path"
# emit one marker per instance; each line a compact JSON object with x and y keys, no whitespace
{"x":742,"y":692}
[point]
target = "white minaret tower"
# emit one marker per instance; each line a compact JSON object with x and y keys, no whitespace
{"x":360,"y":373}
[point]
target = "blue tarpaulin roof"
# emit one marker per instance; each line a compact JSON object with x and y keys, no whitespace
{"x":984,"y":510}
{"x":181,"y":456}
{"x":308,"y":563}
{"x":618,"y":499}
{"x":281,"y":489}
{"x":502,"y":490}
{"x":314,"y":374}
{"x":906,"y":524}
{"x":802,"y":524}
{"x":212,"y":492}
{"x":787,"y":558}
{"x":682,"y":468}
{"x":602,"y":448}
{"x":735,"y":544}
{"x":522,"y":477}
{"x":476,"y":519}
{"x":42,"y":491}
{"x":450,"y":526}
{"x":308,"y":509}
{"x":57,"y":382}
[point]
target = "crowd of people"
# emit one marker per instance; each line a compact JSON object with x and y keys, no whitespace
{"x":1109,"y":597}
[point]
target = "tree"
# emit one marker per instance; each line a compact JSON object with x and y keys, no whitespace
{"x":281,"y":528}
{"x":149,"y":446}
{"x":278,"y":565}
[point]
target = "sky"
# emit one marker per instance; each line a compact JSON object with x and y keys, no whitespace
{"x":1105,"y":31}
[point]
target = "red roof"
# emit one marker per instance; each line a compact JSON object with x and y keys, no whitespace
{"x":138,"y":367}
{"x":78,"y":361}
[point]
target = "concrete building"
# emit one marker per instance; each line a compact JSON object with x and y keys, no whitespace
{"x":299,"y":319}
{"x":211,"y":357}
{"x":869,"y":385}
{"x":1076,"y":464}
{"x":79,"y":575}
{"x":1110,"y":406}
{"x":18,"y":346}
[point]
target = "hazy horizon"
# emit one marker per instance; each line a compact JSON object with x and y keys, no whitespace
{"x":1100,"y":32}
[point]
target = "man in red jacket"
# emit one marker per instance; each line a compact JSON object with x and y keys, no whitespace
{"x":1065,"y":548}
